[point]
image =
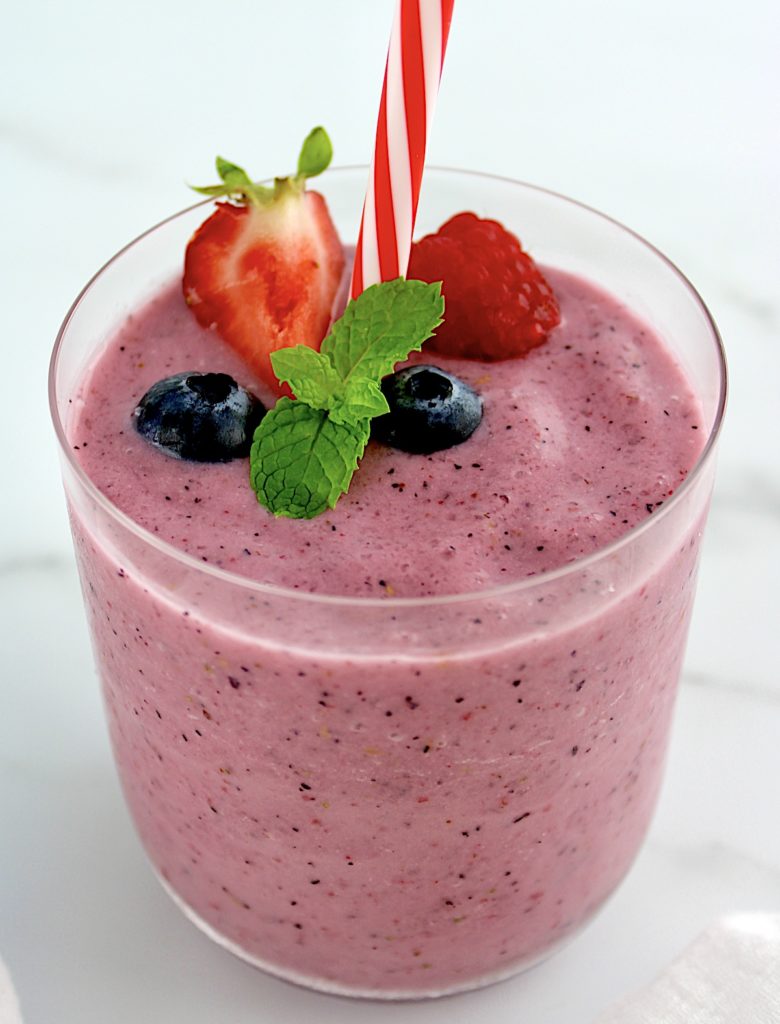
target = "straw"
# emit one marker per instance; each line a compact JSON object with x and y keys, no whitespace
{"x":415,"y":58}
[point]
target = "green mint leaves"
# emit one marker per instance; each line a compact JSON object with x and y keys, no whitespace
{"x":305,"y":451}
{"x":315,"y":156}
{"x":382,"y":326}
{"x":302,"y":461}
{"x":310,"y":374}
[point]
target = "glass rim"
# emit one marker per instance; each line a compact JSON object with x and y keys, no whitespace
{"x":527,"y":583}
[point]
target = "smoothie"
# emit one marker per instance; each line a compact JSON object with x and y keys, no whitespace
{"x":581,"y":440}
{"x":410,"y":745}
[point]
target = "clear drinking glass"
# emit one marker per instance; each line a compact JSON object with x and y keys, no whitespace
{"x":285,"y":817}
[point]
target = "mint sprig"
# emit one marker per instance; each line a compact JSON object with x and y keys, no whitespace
{"x":304,"y":452}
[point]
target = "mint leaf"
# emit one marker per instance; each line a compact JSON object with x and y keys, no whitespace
{"x":309,"y":373}
{"x":316,"y":154}
{"x":304,"y":452}
{"x":378,"y":329}
{"x":361,"y":399}
{"x":382,"y":326}
{"x":314,"y":380}
{"x":302,"y":460}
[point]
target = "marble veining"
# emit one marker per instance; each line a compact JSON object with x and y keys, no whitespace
{"x":48,"y":563}
{"x":743,"y":688}
{"x":716,"y":857}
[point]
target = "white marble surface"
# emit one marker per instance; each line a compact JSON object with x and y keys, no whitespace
{"x":662,"y":114}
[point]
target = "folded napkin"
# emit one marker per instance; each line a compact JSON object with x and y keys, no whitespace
{"x":729,"y":975}
{"x":9,"y":1004}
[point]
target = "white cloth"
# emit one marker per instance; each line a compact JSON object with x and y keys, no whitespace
{"x":730,"y":974}
{"x":9,"y":1004}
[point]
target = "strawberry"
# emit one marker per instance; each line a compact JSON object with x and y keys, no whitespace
{"x":498,"y":303}
{"x":265,"y":268}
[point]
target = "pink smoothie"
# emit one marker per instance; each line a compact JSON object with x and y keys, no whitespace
{"x":398,"y":823}
{"x":580,"y":441}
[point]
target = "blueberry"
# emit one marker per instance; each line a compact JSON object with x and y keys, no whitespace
{"x":204,"y":417}
{"x":429,"y":410}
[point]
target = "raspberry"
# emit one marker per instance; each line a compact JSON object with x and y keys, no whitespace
{"x":498,"y":304}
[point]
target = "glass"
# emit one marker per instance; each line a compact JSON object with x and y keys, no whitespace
{"x":287,"y":814}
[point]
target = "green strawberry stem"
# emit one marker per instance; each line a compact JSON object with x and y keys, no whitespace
{"x":314,"y":158}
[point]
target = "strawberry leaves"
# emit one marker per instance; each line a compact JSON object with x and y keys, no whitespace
{"x":316,"y":154}
{"x":305,"y":452}
{"x":236,"y":184}
{"x":315,"y":157}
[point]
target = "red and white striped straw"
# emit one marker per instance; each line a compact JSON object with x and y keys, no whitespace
{"x":414,"y":63}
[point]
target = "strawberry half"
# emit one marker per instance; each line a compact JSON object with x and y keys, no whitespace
{"x":265,"y":268}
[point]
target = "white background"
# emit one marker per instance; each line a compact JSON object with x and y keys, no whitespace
{"x":663,"y":114}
